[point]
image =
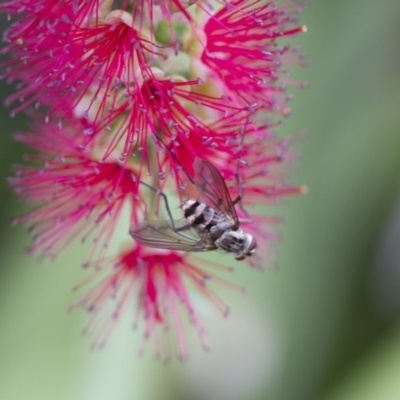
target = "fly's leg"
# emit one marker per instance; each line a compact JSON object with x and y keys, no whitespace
{"x":165,"y":198}
{"x":240,"y":162}
{"x":167,"y":207}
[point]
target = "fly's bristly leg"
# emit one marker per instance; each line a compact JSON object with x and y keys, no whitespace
{"x":165,"y":198}
{"x":237,"y":200}
{"x":240,"y":162}
{"x":183,"y":228}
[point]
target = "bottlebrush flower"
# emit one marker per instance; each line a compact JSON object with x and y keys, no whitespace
{"x":125,"y":98}
{"x":78,"y":195}
{"x":157,"y":286}
{"x":241,"y":52}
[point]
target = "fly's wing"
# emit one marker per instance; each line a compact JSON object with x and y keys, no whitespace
{"x":163,"y":235}
{"x":212,"y":189}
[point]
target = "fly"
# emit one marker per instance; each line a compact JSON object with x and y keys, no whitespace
{"x":209,"y":223}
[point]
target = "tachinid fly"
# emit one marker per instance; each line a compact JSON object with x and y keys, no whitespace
{"x":210,"y":222}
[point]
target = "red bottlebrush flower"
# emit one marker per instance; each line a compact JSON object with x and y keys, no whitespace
{"x":241,"y":51}
{"x":156,"y":283}
{"x":78,"y":195}
{"x":160,"y":113}
{"x":91,"y":61}
{"x":73,"y":49}
{"x":43,"y":16}
{"x":139,"y":92}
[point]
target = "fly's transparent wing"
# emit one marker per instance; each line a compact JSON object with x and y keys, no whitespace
{"x":212,"y":189}
{"x":163,"y":235}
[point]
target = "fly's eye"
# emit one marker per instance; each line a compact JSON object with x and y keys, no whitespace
{"x":253,"y":246}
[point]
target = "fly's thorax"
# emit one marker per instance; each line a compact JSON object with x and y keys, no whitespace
{"x":219,"y":226}
{"x":231,"y":240}
{"x":239,"y":242}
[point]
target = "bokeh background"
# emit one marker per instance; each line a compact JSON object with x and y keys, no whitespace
{"x":325,"y":325}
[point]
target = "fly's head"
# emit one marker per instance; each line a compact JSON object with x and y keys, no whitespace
{"x":248,"y":249}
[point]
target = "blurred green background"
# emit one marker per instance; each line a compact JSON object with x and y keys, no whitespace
{"x":324,"y":325}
